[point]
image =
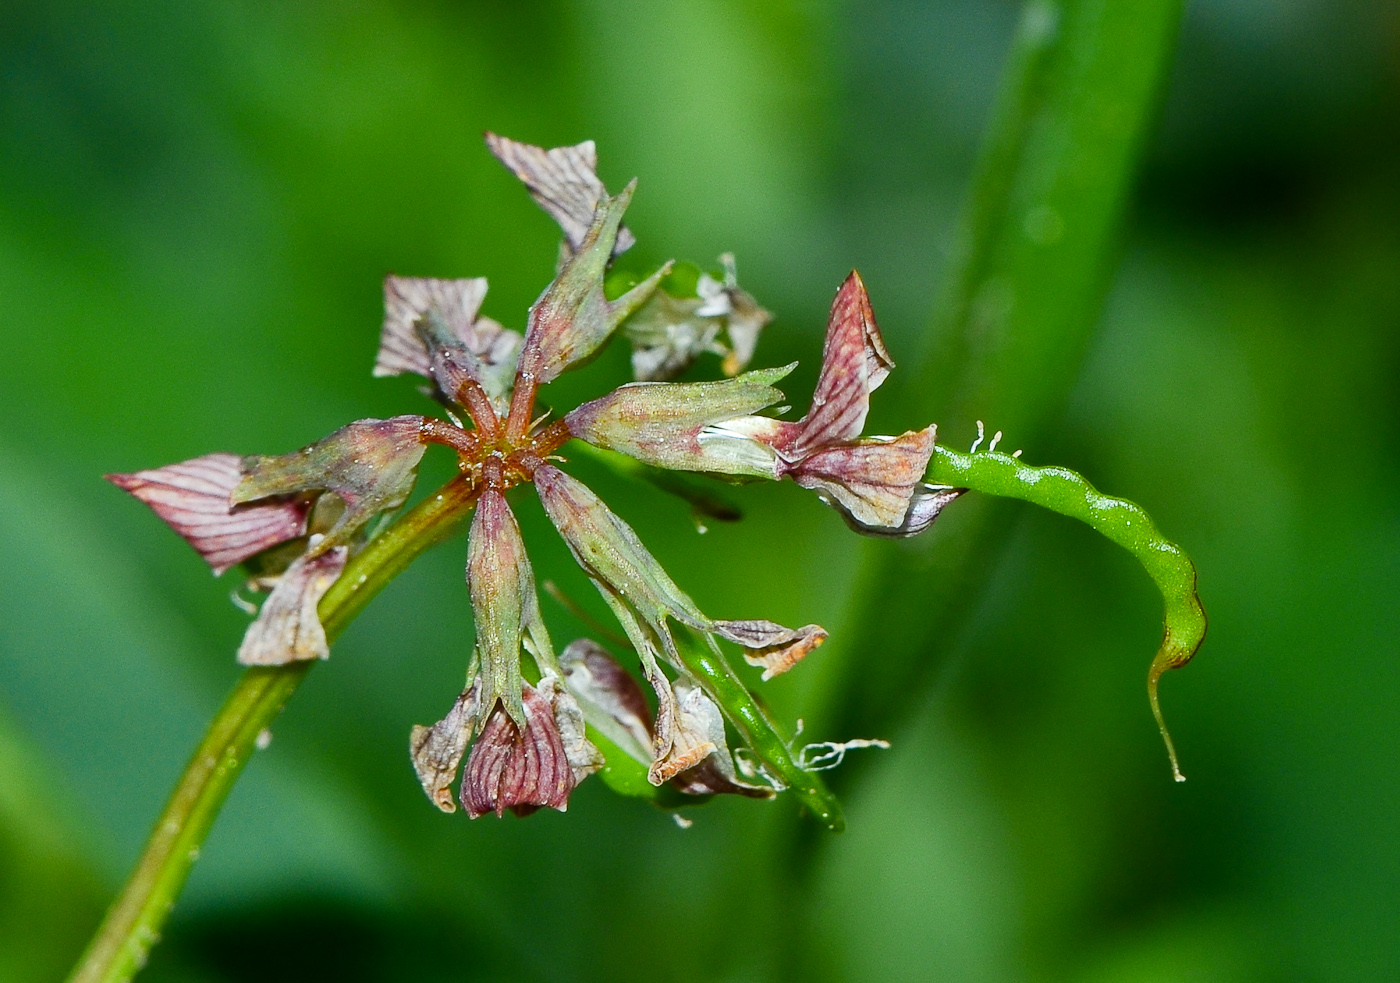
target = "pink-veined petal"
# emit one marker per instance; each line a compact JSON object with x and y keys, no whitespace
{"x":563,"y":181}
{"x":194,"y":498}
{"x":872,"y":482}
{"x":854,"y":364}
{"x":518,"y":769}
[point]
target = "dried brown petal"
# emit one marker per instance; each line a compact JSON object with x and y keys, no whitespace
{"x":437,"y":750}
{"x":854,"y":363}
{"x":871,"y":482}
{"x":700,"y":762}
{"x":661,"y":423}
{"x":769,"y":645}
{"x":517,"y":768}
{"x":563,"y":181}
{"x":193,"y":498}
{"x":611,"y":699}
{"x":287,"y":628}
{"x":370,"y":464}
{"x":573,"y":318}
{"x":710,"y":777}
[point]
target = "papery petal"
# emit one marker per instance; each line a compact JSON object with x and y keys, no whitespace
{"x":854,"y":363}
{"x":610,"y":698}
{"x":746,"y":445}
{"x":872,"y":482}
{"x":498,"y":572}
{"x":563,"y":181}
{"x":668,"y":333}
{"x":744,"y":318}
{"x":582,"y":756}
{"x":287,"y":628}
{"x":408,"y":299}
{"x":437,"y":750}
{"x":193,"y":498}
{"x":700,"y":762}
{"x":660,"y":422}
{"x":518,"y":768}
{"x":926,"y":504}
{"x":769,"y":645}
{"x":370,"y":464}
{"x":573,"y":318}
{"x":610,"y":552}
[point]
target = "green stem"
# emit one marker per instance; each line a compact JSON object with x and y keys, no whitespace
{"x":133,"y":923}
{"x":1125,"y":523}
{"x":759,"y":732}
{"x":1040,"y":236}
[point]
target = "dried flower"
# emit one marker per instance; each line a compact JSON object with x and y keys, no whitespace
{"x":518,"y":734}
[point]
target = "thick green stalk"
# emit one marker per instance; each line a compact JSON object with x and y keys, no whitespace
{"x":1125,"y":523}
{"x":133,"y":923}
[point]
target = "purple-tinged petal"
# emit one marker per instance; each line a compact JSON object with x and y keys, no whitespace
{"x":854,"y":363}
{"x":437,"y":751}
{"x":193,"y":498}
{"x":611,"y":699}
{"x":872,"y":482}
{"x":432,"y":328}
{"x":287,"y":628}
{"x":518,"y":768}
{"x":926,"y":504}
{"x":370,"y":464}
{"x":453,"y":365}
{"x":573,"y":318}
{"x":771,"y":646}
{"x":584,"y":759}
{"x":563,"y":181}
{"x":660,"y":423}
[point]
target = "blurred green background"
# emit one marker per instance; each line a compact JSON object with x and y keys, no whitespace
{"x":198,"y":200}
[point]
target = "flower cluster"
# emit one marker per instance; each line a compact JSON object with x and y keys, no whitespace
{"x":528,"y":728}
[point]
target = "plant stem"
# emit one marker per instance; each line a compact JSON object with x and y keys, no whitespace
{"x":1041,"y":230}
{"x":133,"y":923}
{"x":1125,"y":523}
{"x":759,"y":731}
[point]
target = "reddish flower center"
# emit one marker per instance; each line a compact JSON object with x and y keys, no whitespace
{"x":498,"y":453}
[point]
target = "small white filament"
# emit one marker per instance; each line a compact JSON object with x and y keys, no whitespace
{"x":996,"y":439}
{"x":242,"y":603}
{"x":830,"y":754}
{"x":981,"y":435}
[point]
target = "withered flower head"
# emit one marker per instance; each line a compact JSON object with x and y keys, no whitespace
{"x":519,"y":733}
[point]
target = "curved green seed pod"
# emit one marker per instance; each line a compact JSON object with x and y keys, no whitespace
{"x":1125,"y":523}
